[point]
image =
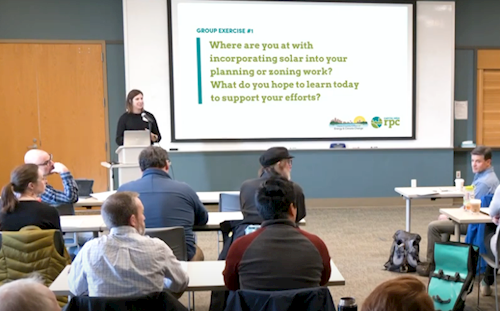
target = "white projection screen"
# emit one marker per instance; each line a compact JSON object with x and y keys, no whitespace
{"x":291,"y":70}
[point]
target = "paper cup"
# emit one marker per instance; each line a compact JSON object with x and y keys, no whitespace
{"x":459,"y":184}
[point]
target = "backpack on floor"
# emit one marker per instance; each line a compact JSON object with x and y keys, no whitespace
{"x":404,"y":252}
{"x":453,"y":278}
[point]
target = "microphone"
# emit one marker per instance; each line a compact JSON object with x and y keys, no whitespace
{"x":145,"y":117}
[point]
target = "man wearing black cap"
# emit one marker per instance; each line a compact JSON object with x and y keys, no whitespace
{"x":275,"y":161}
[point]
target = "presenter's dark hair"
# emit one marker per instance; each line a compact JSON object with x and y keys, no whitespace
{"x":153,"y":157}
{"x":130,"y":99}
{"x":484,"y":151}
{"x":274,"y":197}
{"x":20,"y":178}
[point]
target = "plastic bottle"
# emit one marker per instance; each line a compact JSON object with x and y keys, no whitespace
{"x":468,"y":195}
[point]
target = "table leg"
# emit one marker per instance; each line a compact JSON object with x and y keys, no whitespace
{"x":111,"y":180}
{"x":457,"y":231}
{"x":408,"y":214}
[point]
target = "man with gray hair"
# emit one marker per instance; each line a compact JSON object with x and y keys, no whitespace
{"x":28,"y":295}
{"x":167,"y":202}
{"x":125,"y":262}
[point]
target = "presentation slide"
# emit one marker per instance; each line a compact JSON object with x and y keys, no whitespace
{"x":266,"y":70}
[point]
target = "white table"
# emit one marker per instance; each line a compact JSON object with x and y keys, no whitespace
{"x":95,"y":223}
{"x":461,"y":216}
{"x":206,"y":197}
{"x":203,"y":276}
{"x":410,"y":193}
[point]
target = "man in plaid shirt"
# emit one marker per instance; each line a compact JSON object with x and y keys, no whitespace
{"x":52,"y":196}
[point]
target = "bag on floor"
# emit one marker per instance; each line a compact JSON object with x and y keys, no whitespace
{"x":404,"y":252}
{"x":453,"y":278}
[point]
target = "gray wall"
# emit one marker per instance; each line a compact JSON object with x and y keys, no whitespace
{"x":323,"y":174}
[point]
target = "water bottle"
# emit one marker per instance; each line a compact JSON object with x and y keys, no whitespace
{"x":348,"y":304}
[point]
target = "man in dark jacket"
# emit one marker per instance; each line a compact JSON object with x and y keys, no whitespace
{"x":275,"y":161}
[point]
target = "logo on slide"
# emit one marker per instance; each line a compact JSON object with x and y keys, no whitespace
{"x":377,"y":122}
{"x":391,"y":121}
{"x":358,"y":124}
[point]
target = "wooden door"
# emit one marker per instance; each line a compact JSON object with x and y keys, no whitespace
{"x":19,"y":105}
{"x":488,"y":98}
{"x":72,"y":111}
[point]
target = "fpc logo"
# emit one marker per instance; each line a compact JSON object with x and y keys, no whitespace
{"x":392,"y":121}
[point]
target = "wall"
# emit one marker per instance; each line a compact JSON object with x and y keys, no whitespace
{"x":369,"y":173}
{"x":477,"y":26}
{"x":74,"y":20}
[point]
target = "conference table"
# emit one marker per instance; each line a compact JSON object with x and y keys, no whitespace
{"x":96,"y":199}
{"x":203,"y":276}
{"x":415,"y":193}
{"x":95,"y":223}
{"x":461,"y":216}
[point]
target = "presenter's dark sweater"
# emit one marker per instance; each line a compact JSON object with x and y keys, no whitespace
{"x":134,"y":122}
{"x":30,"y":213}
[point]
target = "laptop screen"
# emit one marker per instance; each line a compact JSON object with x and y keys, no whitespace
{"x":84,"y":187}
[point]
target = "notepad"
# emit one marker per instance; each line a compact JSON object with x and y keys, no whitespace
{"x":485,"y":210}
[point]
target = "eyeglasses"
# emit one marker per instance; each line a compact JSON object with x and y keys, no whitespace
{"x":46,"y":162}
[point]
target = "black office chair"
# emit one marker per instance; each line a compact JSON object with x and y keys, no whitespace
{"x":174,"y":237}
{"x":228,"y":202}
{"x":157,"y":301}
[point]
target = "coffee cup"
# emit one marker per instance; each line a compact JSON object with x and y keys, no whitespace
{"x":459,"y":184}
{"x":475,"y":205}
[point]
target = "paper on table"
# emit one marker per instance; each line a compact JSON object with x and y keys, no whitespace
{"x":461,"y":110}
{"x":71,"y":223}
{"x":101,"y":196}
{"x":485,"y":210}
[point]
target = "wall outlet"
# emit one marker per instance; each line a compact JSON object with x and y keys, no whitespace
{"x":458,"y":174}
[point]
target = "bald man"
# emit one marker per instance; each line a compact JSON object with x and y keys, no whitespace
{"x":48,"y":167}
{"x":27,"y":295}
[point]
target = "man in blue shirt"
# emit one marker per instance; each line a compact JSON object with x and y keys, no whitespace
{"x":167,"y":202}
{"x":48,"y":166}
{"x":485,"y":182}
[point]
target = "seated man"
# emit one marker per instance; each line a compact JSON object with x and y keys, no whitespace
{"x":52,"y":196}
{"x":167,"y":203}
{"x":275,"y":161}
{"x":279,"y":255}
{"x":485,"y":182}
{"x":125,"y":262}
{"x":28,"y":294}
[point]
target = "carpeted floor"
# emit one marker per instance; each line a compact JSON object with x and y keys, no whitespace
{"x":359,"y":241}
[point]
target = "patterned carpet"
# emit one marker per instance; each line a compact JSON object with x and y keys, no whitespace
{"x":359,"y":241}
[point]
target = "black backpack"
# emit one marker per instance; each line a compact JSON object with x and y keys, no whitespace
{"x":404,"y":252}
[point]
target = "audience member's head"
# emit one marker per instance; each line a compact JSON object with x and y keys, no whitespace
{"x":27,"y":295}
{"x":40,"y":158}
{"x":154,"y":157}
{"x":26,"y":180}
{"x":480,"y":159}
{"x":405,"y":293}
{"x":124,"y":209}
{"x":135,"y":102}
{"x":275,"y":199}
{"x":276,"y":161}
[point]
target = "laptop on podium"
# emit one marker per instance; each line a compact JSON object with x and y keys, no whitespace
{"x":136,"y":138}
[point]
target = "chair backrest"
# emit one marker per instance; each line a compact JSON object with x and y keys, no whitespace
{"x":174,"y":237}
{"x":65,"y":209}
{"x":229,"y":202}
{"x":316,"y":298}
{"x":84,"y":187}
{"x":157,"y":301}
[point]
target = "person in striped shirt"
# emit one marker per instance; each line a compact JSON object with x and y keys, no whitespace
{"x":48,"y":166}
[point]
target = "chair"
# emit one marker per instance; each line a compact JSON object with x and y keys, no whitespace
{"x":228,"y":202}
{"x":155,"y":301}
{"x":64,"y":210}
{"x":492,"y":258}
{"x":174,"y":237}
{"x":316,"y":298}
